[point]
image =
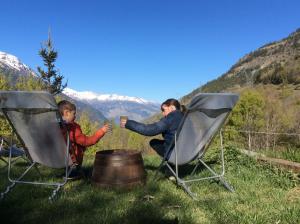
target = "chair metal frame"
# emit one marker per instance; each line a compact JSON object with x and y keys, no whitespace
{"x":1,"y":148}
{"x":183,"y":182}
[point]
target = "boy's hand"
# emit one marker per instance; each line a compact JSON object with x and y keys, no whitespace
{"x":105,"y":128}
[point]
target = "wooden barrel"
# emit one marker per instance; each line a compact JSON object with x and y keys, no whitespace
{"x":118,"y":168}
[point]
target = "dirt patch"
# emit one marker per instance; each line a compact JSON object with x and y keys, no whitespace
{"x":293,"y":195}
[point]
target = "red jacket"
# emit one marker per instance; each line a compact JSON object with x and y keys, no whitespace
{"x":79,"y":141}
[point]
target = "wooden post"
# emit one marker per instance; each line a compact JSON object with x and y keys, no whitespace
{"x":249,"y":140}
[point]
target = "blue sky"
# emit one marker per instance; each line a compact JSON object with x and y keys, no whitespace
{"x":154,"y":49}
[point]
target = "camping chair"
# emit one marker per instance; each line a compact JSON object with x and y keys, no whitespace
{"x":203,"y":119}
{"x":35,"y":119}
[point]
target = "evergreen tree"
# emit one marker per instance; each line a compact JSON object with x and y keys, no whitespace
{"x":51,"y":78}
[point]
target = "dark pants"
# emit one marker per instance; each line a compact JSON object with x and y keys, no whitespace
{"x":159,"y":146}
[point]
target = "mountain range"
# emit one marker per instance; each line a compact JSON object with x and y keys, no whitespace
{"x":113,"y":105}
{"x":98,"y":106}
{"x":275,"y":63}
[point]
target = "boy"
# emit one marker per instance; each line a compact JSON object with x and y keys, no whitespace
{"x":78,"y":140}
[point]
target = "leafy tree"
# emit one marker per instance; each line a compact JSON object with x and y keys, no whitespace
{"x":4,"y":84}
{"x":248,"y":114}
{"x":51,"y":78}
{"x":4,"y":126}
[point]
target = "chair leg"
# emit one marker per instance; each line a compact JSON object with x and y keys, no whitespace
{"x":59,"y":186}
{"x":7,"y":190}
{"x":37,"y":170}
{"x":194,"y":170}
{"x":55,"y":191}
{"x":13,"y":160}
{"x":4,"y":161}
{"x":187,"y":189}
{"x":183,"y":184}
{"x":220,"y":177}
{"x":14,"y":182}
{"x":30,"y":162}
{"x":5,"y":165}
{"x":226,"y":184}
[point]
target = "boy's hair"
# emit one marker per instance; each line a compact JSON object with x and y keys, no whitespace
{"x":65,"y":105}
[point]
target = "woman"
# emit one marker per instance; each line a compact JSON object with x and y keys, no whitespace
{"x":167,"y":126}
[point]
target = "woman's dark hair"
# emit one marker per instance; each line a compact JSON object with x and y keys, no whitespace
{"x":175,"y":103}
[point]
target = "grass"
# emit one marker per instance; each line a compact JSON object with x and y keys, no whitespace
{"x":263,"y":195}
{"x":292,"y":154}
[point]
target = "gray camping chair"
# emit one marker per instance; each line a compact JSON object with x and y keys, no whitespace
{"x":34,"y":118}
{"x":204,"y":118}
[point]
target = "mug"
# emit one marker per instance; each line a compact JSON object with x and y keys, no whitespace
{"x":109,"y":125}
{"x":122,"y":118}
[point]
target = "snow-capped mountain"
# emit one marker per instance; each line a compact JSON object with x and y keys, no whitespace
{"x":113,"y":105}
{"x":87,"y":95}
{"x":12,"y":65}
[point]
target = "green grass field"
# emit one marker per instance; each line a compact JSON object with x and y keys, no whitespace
{"x":262,"y":195}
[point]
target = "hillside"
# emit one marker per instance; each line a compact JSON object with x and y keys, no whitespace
{"x":274,"y":63}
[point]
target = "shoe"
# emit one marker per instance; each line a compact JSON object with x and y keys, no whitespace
{"x":75,"y":174}
{"x":169,"y":175}
{"x":172,"y":178}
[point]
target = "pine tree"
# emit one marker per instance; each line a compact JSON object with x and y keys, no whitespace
{"x":52,"y":80}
